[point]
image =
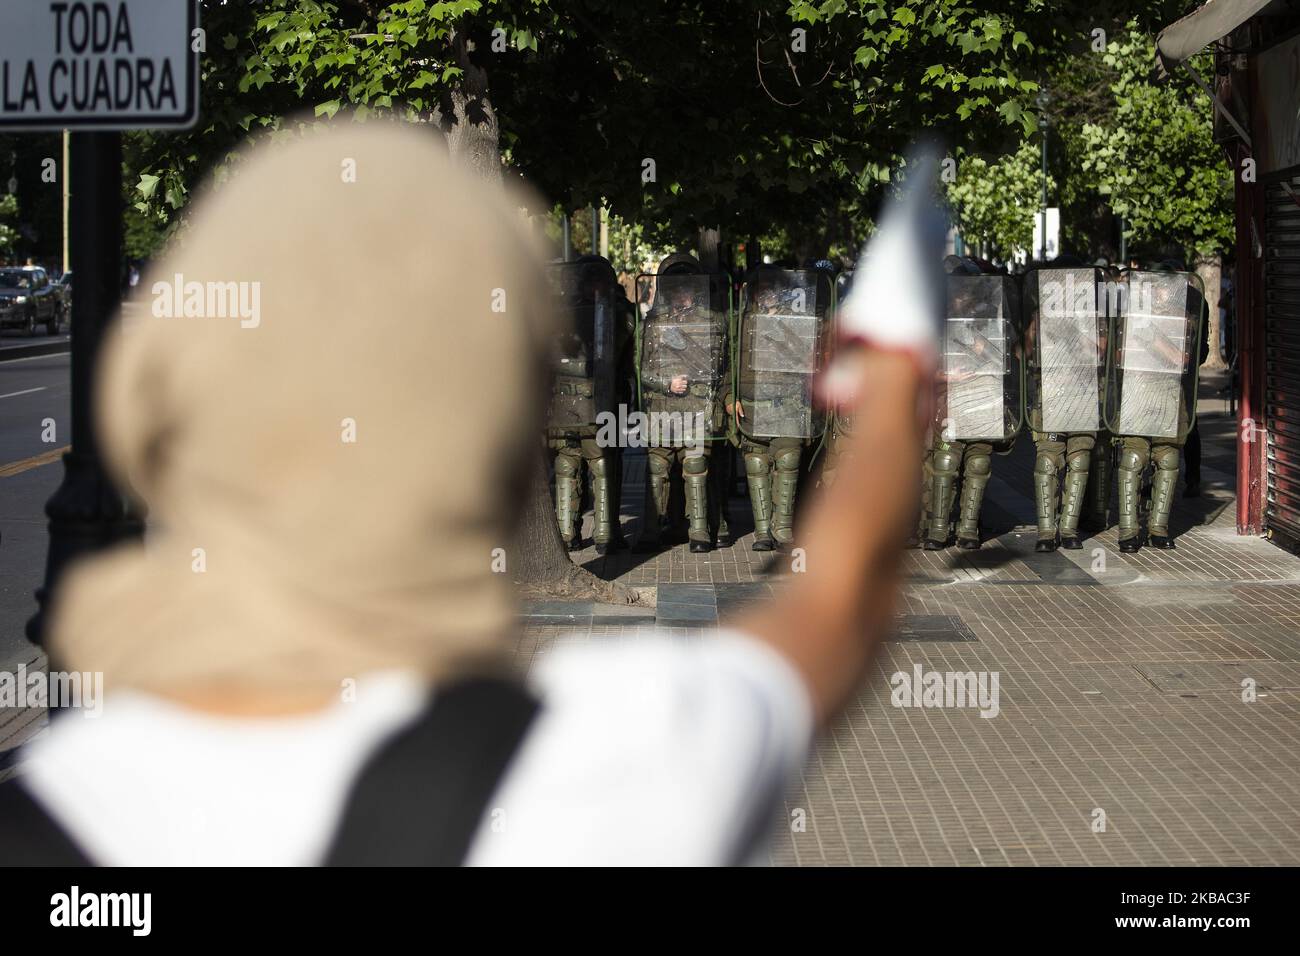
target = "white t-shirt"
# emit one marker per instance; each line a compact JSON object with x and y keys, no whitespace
{"x":648,"y":751}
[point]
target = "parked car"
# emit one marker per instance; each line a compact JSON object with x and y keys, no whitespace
{"x":64,"y":283}
{"x":28,"y":299}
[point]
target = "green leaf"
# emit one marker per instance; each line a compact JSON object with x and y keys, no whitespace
{"x":147,"y":185}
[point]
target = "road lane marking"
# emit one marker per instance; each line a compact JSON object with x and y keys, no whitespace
{"x":27,"y":464}
{"x":33,"y":358}
{"x":26,"y":391}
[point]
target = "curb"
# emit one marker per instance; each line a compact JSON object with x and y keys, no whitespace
{"x":10,"y":352}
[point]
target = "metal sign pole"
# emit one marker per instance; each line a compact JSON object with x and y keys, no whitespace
{"x":67,"y":192}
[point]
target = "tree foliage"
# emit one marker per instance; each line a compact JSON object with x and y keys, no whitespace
{"x":8,"y":215}
{"x":1153,"y":157}
{"x":777,"y":118}
{"x":994,"y":201}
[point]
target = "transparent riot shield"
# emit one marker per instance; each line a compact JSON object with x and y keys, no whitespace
{"x":781,"y":347}
{"x":583,"y":360}
{"x":1151,"y":388}
{"x":979,"y":389}
{"x":682,"y":334}
{"x":1066,"y":329}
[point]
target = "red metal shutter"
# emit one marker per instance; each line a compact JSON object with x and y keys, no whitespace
{"x":1282,"y":351}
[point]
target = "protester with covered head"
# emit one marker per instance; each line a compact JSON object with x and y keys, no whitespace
{"x":308,"y":659}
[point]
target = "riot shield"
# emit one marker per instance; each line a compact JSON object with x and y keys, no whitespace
{"x":1066,"y":346}
{"x":681,"y":354}
{"x":979,"y":388}
{"x":1151,"y":388}
{"x":583,"y":360}
{"x":781,"y":347}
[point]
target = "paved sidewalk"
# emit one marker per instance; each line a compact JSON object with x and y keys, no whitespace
{"x":1121,"y":684}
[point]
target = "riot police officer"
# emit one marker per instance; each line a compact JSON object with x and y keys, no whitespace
{"x":588,"y":361}
{"x":1066,"y":354}
{"x":784,"y":334}
{"x":840,"y":429}
{"x":682,"y":365}
{"x":1151,"y":395}
{"x":1101,"y":467}
{"x":978,"y":395}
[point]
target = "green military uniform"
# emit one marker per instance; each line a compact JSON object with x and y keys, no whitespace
{"x":972,"y":462}
{"x":772,"y":475}
{"x":1066,"y":361}
{"x":978,"y":397}
{"x":1153,"y":391}
{"x":572,"y":450}
{"x":1135,"y":454}
{"x":779,"y":349}
{"x":1054,"y":452}
{"x":1096,"y":506}
{"x":682,"y":340}
{"x":579,"y":392}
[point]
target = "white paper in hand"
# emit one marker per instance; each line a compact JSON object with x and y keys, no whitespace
{"x":896,"y":301}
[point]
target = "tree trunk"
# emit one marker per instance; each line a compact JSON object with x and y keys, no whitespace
{"x":1210,"y":269}
{"x":537,"y":560}
{"x":708,"y":244}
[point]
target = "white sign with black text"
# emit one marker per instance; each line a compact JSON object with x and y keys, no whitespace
{"x":99,"y":64}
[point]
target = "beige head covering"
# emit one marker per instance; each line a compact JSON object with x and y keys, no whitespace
{"x":399,"y":297}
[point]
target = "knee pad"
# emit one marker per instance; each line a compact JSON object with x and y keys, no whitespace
{"x":1132,"y":460}
{"x":1045,"y":465}
{"x":1079,"y":460}
{"x":695,"y":465}
{"x":756,"y":465}
{"x":599,"y":466}
{"x":945,"y":462}
{"x":566,"y":466}
{"x":788,"y":460}
{"x":658,"y":464}
{"x":980,"y":466}
{"x":1165,"y":457}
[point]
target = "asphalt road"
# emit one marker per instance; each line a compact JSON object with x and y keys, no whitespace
{"x":34,"y":393}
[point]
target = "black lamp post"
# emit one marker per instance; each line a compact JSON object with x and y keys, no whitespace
{"x":1043,"y":101}
{"x":86,"y":512}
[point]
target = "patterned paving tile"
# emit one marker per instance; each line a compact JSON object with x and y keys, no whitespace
{"x":1119,"y":693}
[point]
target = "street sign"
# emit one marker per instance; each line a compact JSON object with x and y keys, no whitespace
{"x":99,"y":64}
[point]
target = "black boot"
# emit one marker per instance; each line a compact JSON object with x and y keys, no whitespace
{"x":614,"y":544}
{"x":1129,"y":545}
{"x":1162,"y":542}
